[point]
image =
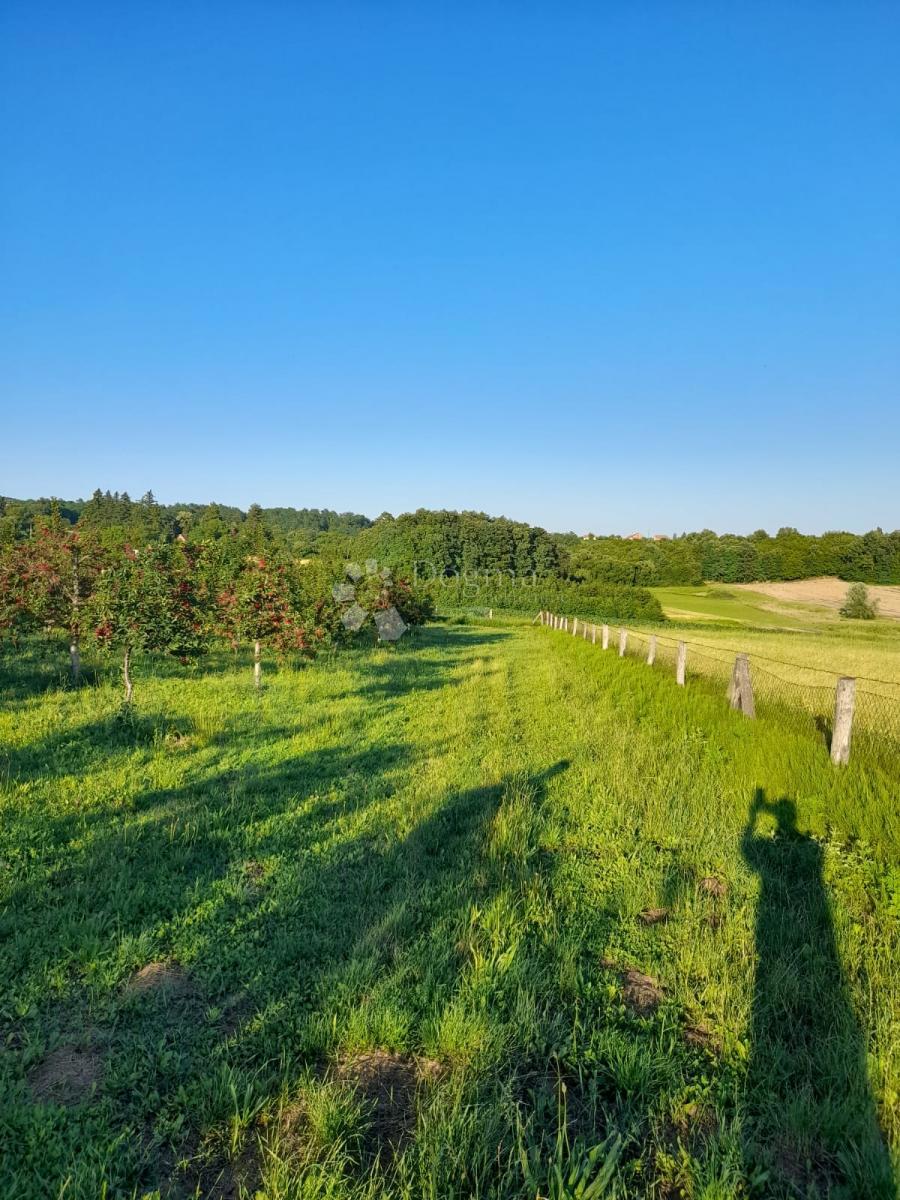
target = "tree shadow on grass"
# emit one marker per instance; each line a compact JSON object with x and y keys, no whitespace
{"x":811,"y":1124}
{"x":403,"y":671}
{"x":291,"y":918}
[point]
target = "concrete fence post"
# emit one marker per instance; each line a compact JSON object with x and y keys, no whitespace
{"x":844,"y":702}
{"x":623,"y":642}
{"x":593,"y":634}
{"x":651,"y":650}
{"x":604,"y":637}
{"x":681,"y":664}
{"x":574,"y":626}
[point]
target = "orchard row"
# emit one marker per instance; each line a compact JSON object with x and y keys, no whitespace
{"x":174,"y":598}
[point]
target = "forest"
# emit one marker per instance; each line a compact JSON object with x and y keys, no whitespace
{"x":432,"y":543}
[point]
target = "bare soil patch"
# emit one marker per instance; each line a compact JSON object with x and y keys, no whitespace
{"x":713,"y":886}
{"x":653,"y":916}
{"x":702,"y":1037}
{"x":163,"y":977}
{"x":826,"y":591}
{"x":391,"y":1084}
{"x":66,"y":1076}
{"x":641,"y":993}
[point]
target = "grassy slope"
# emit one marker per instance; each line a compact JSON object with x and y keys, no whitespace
{"x":441,"y":852}
{"x":702,"y":603}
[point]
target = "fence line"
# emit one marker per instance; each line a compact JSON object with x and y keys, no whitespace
{"x":837,"y":709}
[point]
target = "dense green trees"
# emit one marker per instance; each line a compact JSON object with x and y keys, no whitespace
{"x":430,"y":544}
{"x":591,"y":601}
{"x":872,"y":557}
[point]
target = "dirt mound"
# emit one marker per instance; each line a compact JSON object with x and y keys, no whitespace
{"x":66,"y":1076}
{"x":163,"y":977}
{"x":653,"y":916}
{"x":713,"y":886}
{"x":390,"y":1083}
{"x":641,"y":993}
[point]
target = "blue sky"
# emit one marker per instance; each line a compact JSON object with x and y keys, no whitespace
{"x":595,"y":266}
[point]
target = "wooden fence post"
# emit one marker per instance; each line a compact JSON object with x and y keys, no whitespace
{"x":844,"y":699}
{"x":740,"y":693}
{"x":651,"y":650}
{"x":623,"y":642}
{"x":604,"y":637}
{"x":681,"y":663}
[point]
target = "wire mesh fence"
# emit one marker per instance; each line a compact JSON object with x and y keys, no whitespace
{"x":795,"y":694}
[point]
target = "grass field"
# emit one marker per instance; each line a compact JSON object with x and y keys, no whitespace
{"x":708,"y":602}
{"x":488,"y":914}
{"x":805,"y":640}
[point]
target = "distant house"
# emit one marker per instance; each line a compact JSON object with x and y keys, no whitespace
{"x":660,"y":537}
{"x":635,"y":537}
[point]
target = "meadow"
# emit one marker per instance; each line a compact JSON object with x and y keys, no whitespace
{"x":486,"y":914}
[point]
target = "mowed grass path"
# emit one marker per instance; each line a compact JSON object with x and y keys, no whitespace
{"x":432,"y":921}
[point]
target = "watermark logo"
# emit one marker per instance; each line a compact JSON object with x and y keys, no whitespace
{"x":360,"y":584}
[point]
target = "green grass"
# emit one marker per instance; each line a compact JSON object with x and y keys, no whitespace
{"x":706,"y":602}
{"x":817,"y":635}
{"x":393,"y":903}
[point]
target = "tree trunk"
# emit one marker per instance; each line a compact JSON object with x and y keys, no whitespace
{"x":75,"y":658}
{"x":74,"y":648}
{"x":257,"y":666}
{"x":129,"y":686}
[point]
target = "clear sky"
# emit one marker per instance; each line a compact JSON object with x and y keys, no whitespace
{"x":603,"y":266}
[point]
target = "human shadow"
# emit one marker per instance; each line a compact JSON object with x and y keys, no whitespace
{"x":811,"y":1124}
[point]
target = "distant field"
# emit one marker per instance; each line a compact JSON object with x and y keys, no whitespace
{"x":710,"y":602}
{"x":825,"y":591}
{"x":806,"y":636}
{"x":782,"y":604}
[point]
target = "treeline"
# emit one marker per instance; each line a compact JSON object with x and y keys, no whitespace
{"x":172,"y":595}
{"x":118,"y":519}
{"x":438,"y":543}
{"x":591,"y":601}
{"x":693,"y":558}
